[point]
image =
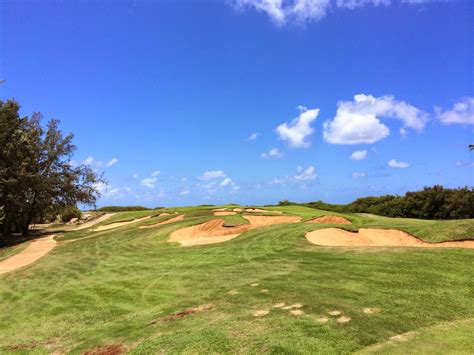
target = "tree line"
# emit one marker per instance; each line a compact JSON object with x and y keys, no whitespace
{"x":435,"y":202}
{"x":36,"y":175}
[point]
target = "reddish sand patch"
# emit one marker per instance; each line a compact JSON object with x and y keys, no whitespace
{"x":330,"y":220}
{"x":214,"y":231}
{"x":259,"y":210}
{"x":375,"y":238}
{"x":185,"y":313}
{"x":168,"y":221}
{"x":37,"y":249}
{"x":224,"y":213}
{"x":114,"y":349}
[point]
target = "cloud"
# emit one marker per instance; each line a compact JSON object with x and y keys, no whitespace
{"x":398,"y":164}
{"x":299,"y":129}
{"x":213,"y":174}
{"x":226,"y":181}
{"x":305,"y":174}
{"x":358,"y":121}
{"x":462,"y":112}
{"x":89,"y":160}
{"x":303,"y":11}
{"x":111,"y":162}
{"x":357,"y":175}
{"x":279,"y":181}
{"x":149,"y":182}
{"x":156,"y":173}
{"x":135,"y":176}
{"x":359,"y":155}
{"x":253,"y":136}
{"x":184,"y":192}
{"x":272,"y":153}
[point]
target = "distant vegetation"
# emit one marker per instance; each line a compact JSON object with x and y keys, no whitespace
{"x":124,"y":208}
{"x":434,"y":202}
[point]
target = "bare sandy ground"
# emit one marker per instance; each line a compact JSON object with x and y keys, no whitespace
{"x":330,"y":220}
{"x":119,"y":224}
{"x":219,"y":209}
{"x":224,"y":213}
{"x":171,"y":220}
{"x":214,"y":231}
{"x":259,"y":210}
{"x":33,"y":252}
{"x":367,"y":237}
{"x":94,"y":221}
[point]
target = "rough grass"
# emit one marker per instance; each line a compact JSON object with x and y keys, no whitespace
{"x":126,"y":286}
{"x":7,"y":252}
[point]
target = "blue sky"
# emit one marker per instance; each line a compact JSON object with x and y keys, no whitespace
{"x":250,"y":101}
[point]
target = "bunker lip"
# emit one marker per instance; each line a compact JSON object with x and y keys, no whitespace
{"x":224,"y":213}
{"x":213,"y":231}
{"x":168,"y":221}
{"x":372,"y":237}
{"x":329,"y":219}
{"x":119,"y":224}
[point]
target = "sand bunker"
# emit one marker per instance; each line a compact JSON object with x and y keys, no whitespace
{"x":94,"y":221}
{"x":224,"y":213}
{"x":330,"y":220}
{"x":168,"y":221}
{"x":219,"y":209}
{"x":119,"y":224}
{"x":259,"y":210}
{"x":214,"y":231}
{"x":237,"y":210}
{"x":376,"y":238}
{"x":33,"y":252}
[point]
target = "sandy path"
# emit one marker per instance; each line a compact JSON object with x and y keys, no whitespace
{"x":214,"y":231}
{"x":330,"y":220}
{"x":94,"y":221}
{"x":367,"y":237}
{"x":33,"y":252}
{"x":171,"y":220}
{"x":120,"y":224}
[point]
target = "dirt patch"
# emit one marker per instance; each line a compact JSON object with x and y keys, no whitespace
{"x":279,"y":305}
{"x":224,"y":213}
{"x":233,"y":292}
{"x":264,"y":291}
{"x":237,"y":210}
{"x":168,"y":221}
{"x":37,"y":249}
{"x":343,"y":319}
{"x":259,"y":210}
{"x":214,"y":231}
{"x":292,"y":306}
{"x":297,"y":312}
{"x":253,"y":285}
{"x":330,"y":220}
{"x":261,"y":313}
{"x":335,"y":313}
{"x":371,"y":310}
{"x":367,"y":237}
{"x":185,"y":313}
{"x":323,"y":320}
{"x":113,"y":349}
{"x":120,"y":224}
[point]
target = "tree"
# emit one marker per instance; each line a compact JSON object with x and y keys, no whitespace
{"x":471,"y":146}
{"x":36,"y":174}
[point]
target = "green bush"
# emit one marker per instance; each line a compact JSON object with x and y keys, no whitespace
{"x":68,"y":213}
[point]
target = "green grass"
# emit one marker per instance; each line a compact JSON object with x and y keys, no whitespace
{"x":115,"y":287}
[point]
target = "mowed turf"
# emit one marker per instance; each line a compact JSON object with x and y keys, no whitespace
{"x":129,"y":287}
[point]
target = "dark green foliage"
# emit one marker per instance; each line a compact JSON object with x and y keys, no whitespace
{"x":68,"y":213}
{"x":36,"y":176}
{"x":434,"y":202}
{"x":122,"y":208}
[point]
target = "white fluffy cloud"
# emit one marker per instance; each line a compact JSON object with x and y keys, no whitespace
{"x":306,"y":174}
{"x":462,"y":112}
{"x":398,"y":164}
{"x":299,"y":129}
{"x":184,"y":192}
{"x":213,"y":174}
{"x":111,"y":162}
{"x":359,"y":155}
{"x":149,"y":182}
{"x":156,"y":173}
{"x":226,"y":181}
{"x":358,"y":121}
{"x":253,"y":136}
{"x":272,"y":153}
{"x":357,"y":175}
{"x":301,"y":11}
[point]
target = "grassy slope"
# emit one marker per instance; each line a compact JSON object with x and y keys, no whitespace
{"x":107,"y":289}
{"x":7,"y":252}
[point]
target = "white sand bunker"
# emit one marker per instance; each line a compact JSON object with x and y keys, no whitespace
{"x":330,"y":220}
{"x":367,"y":237}
{"x":214,"y":231}
{"x":119,"y":224}
{"x":259,"y":210}
{"x":168,"y":221}
{"x":224,"y":213}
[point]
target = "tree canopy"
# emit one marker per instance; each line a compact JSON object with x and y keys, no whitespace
{"x":36,"y":174}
